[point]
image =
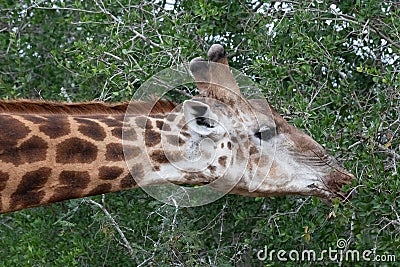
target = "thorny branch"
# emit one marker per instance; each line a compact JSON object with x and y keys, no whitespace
{"x":101,"y":6}
{"x":277,"y":214}
{"x":388,"y":151}
{"x":395,"y":223}
{"x":156,"y":243}
{"x":221,"y":230}
{"x":113,"y":223}
{"x":67,"y":8}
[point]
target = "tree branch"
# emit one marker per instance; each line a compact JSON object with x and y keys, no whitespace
{"x":113,"y":223}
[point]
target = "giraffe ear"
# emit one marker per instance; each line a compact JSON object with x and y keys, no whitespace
{"x":199,"y":117}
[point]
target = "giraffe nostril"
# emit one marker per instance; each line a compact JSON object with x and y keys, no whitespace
{"x":312,"y":186}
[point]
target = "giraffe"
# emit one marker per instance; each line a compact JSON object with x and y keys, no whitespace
{"x":50,"y":152}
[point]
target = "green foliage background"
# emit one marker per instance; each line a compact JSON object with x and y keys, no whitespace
{"x":331,"y":67}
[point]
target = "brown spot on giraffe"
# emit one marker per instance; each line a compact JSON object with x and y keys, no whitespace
{"x":166,"y":128}
{"x":131,"y":152}
{"x":149,"y":125}
{"x":222,"y":160}
{"x":91,"y":129}
{"x":137,"y":170}
{"x":159,"y":156}
{"x":171,"y":117}
{"x":141,"y":122}
{"x":114,"y":152}
{"x":109,"y":173}
{"x":55,"y":126}
{"x":30,"y":190}
{"x":11,"y":131}
{"x":117,"y":132}
{"x":163,"y":126}
{"x":159,"y":124}
{"x":71,"y":185}
{"x":128,"y":134}
{"x":32,"y":150}
{"x":182,"y":125}
{"x":76,"y":150}
{"x":128,"y":182}
{"x":253,"y":150}
{"x":151,"y":138}
{"x":175,"y":140}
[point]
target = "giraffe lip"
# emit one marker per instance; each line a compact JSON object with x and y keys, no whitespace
{"x":334,"y":182}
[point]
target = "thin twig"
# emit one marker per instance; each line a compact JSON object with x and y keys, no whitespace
{"x":221,"y":230}
{"x":66,"y":8}
{"x":106,"y":12}
{"x":114,"y":224}
{"x":144,"y":38}
{"x":138,"y":34}
{"x":382,"y":147}
{"x":289,"y":212}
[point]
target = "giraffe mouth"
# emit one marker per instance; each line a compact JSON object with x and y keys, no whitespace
{"x":334,"y":183}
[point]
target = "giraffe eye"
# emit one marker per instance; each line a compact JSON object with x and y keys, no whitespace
{"x":265,"y":133}
{"x":203,"y":121}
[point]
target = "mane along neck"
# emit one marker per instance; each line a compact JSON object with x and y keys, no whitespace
{"x":84,"y":108}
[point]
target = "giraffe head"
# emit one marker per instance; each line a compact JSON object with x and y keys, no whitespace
{"x":255,"y":151}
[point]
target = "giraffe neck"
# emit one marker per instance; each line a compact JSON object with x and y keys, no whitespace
{"x":50,"y":157}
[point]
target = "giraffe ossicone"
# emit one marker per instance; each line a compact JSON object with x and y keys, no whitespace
{"x":220,"y":142}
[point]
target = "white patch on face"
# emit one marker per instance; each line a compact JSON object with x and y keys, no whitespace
{"x":280,"y":171}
